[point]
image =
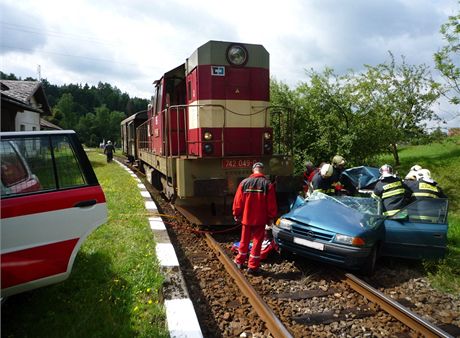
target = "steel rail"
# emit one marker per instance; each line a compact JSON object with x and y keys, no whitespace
{"x":395,"y":309}
{"x":273,"y":323}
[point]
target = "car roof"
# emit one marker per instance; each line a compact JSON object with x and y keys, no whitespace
{"x":36,"y":133}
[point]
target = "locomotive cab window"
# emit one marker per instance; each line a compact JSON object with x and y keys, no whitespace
{"x":159,"y":98}
{"x":154,"y":104}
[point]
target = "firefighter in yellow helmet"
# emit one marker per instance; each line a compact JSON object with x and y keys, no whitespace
{"x":340,"y":186}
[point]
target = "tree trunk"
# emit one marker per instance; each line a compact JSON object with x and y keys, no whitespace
{"x":394,"y":150}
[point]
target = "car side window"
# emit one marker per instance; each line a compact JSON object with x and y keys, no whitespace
{"x":13,"y":169}
{"x":429,"y":210}
{"x":38,"y":163}
{"x":22,"y":161}
{"x":68,"y":168}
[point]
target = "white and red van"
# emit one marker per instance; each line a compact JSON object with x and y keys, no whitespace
{"x":50,"y":202}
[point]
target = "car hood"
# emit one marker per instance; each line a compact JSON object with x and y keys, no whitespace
{"x":347,"y":215}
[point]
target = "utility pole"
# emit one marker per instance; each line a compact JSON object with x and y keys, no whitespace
{"x":39,"y":71}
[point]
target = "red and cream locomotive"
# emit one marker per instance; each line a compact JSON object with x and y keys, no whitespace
{"x":208,"y":122}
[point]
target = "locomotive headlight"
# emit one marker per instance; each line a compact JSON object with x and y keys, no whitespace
{"x":237,"y":55}
{"x":267,"y":148}
{"x":207,"y":136}
{"x":208,"y":148}
{"x":267,"y":135}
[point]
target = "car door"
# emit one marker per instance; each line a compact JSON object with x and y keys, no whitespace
{"x":48,"y":210}
{"x":418,"y":231}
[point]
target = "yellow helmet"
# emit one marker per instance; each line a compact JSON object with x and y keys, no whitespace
{"x":338,"y":160}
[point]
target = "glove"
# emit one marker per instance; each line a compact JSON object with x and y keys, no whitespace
{"x":269,"y":224}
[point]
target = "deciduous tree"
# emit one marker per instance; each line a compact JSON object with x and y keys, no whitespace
{"x":447,"y":59}
{"x":400,"y":95}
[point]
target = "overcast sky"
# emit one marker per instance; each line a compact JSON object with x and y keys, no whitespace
{"x":129,"y":44}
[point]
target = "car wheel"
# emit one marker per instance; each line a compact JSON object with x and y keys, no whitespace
{"x":369,"y":266}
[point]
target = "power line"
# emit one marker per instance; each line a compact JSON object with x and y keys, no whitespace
{"x":41,"y":31}
{"x":68,"y":55}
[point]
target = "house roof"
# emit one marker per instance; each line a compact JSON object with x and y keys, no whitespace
{"x":48,"y":125}
{"x":22,"y":92}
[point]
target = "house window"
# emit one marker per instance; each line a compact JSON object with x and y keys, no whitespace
{"x":22,"y":127}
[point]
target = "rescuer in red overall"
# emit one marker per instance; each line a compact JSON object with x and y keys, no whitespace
{"x":254,"y":206}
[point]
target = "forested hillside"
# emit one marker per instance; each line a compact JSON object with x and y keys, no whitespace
{"x":95,"y":112}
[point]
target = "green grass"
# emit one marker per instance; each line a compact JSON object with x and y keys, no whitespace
{"x":443,"y":160}
{"x":114,"y":288}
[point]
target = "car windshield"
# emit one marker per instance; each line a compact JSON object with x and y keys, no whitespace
{"x":365,"y":205}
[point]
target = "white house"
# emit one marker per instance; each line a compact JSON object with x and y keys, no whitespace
{"x":23,"y":104}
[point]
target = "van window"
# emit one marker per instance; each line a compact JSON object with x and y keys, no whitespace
{"x":68,"y":168}
{"x":13,"y":169}
{"x":38,"y":163}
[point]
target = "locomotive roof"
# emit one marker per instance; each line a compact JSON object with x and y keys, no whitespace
{"x":214,"y":53}
{"x":177,"y":72}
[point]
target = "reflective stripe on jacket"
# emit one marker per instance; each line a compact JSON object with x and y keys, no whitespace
{"x":422,"y":189}
{"x":255,"y":200}
{"x":393,"y":193}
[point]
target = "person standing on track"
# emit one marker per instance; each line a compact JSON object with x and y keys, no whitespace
{"x":254,"y":206}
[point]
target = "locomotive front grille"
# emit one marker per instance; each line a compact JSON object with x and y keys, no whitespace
{"x":210,"y":187}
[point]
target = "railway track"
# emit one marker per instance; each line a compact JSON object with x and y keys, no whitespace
{"x":276,"y":327}
{"x":290,"y":298}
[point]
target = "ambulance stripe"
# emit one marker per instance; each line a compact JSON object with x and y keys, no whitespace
{"x":49,"y":201}
{"x":43,"y":246}
{"x":30,"y":264}
{"x":45,"y":228}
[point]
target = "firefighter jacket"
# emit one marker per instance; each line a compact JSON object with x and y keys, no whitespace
{"x":425,"y":189}
{"x":393,"y":193}
{"x":323,"y":184}
{"x":255,"y":201}
{"x":337,"y":175}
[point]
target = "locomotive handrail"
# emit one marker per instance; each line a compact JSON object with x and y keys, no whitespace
{"x":283,"y":139}
{"x":264,"y":109}
{"x":185,"y":107}
{"x":281,"y":109}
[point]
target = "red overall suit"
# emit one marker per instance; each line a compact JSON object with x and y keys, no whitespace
{"x":254,"y":205}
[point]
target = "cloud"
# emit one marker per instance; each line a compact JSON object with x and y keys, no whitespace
{"x":348,"y":34}
{"x":17,"y":34}
{"x":132,"y":43}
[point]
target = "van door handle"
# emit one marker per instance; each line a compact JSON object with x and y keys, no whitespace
{"x":84,"y":204}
